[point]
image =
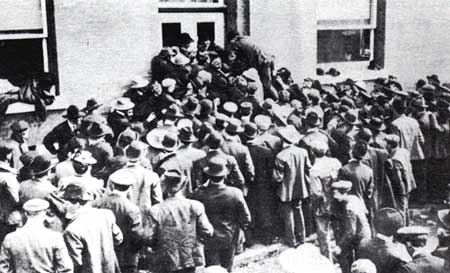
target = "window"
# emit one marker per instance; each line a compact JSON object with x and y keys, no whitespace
{"x":345,"y":30}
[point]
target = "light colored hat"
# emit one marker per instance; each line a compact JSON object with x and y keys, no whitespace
{"x":180,"y":59}
{"x":290,"y":134}
{"x":251,"y":75}
{"x":342,"y":185}
{"x":413,"y":230}
{"x":139,"y":82}
{"x":263,"y":122}
{"x":215,"y":269}
{"x":169,"y":84}
{"x":230,"y":107}
{"x":35,"y":205}
{"x":363,"y":266}
{"x":123,"y":104}
{"x":154,"y":138}
{"x":204,"y":77}
{"x":122,"y":177}
{"x":85,"y":157}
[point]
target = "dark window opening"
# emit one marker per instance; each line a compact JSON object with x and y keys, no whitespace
{"x":205,"y":31}
{"x":170,"y":34}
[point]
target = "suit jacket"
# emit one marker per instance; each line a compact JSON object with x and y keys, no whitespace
{"x":90,"y":238}
{"x":291,"y":167}
{"x":23,"y":252}
{"x":386,"y":256}
{"x":375,"y":159}
{"x":118,"y":123}
{"x":424,"y":263}
{"x":9,"y":191}
{"x":411,"y":137}
{"x":61,"y":134}
{"x":227,"y":211}
{"x":175,"y":227}
{"x":424,"y":120}
{"x":129,"y":220}
{"x":239,"y":151}
{"x":271,"y":141}
{"x":18,"y":149}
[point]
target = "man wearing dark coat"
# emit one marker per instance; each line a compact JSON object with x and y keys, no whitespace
{"x":63,"y":132}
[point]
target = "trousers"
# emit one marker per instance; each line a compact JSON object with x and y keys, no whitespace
{"x":293,"y":222}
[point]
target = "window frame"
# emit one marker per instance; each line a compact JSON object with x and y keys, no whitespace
{"x":170,"y":5}
{"x":351,"y":24}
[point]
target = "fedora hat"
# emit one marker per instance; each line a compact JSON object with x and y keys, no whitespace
{"x":434,"y":78}
{"x":84,"y":157}
{"x":139,"y":82}
{"x":97,"y":130}
{"x":73,"y":112}
{"x":123,"y":104}
{"x":76,"y":191}
{"x":186,"y":134}
{"x":419,"y":102}
{"x":191,"y":106}
{"x":206,"y":107}
{"x":350,"y":117}
{"x":216,"y":166}
{"x":170,"y":142}
{"x":173,"y":180}
{"x":387,"y":221}
{"x":134,"y":151}
{"x":41,"y":164}
{"x":172,"y":111}
{"x":250,"y":130}
{"x":91,"y":105}
{"x":214,"y":140}
{"x":333,"y":72}
{"x":313,"y":119}
{"x":376,"y":123}
{"x":251,"y":75}
{"x":290,"y":134}
{"x":154,"y":138}
{"x":123,"y":177}
{"x":444,"y":217}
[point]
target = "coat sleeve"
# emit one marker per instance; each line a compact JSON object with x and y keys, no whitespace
{"x":74,"y":247}
{"x":49,"y":141}
{"x":249,"y":167}
{"x":136,"y":231}
{"x":204,"y":227}
{"x":156,"y":195}
{"x":242,"y":211}
{"x":62,"y":261}
{"x":235,"y":176}
{"x":5,"y":259}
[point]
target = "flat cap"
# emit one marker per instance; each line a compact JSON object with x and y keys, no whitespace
{"x":343,"y":185}
{"x":413,"y":231}
{"x":230,"y":107}
{"x":263,"y":122}
{"x":34,"y":205}
{"x":122,"y":177}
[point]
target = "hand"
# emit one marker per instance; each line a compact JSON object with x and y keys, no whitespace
{"x":337,"y":250}
{"x":151,"y":117}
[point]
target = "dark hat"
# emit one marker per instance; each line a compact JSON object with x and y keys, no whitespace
{"x":27,"y":157}
{"x":313,"y":119}
{"x":419,"y":102}
{"x":206,"y":107}
{"x":19,"y":126}
{"x":442,"y":104}
{"x":434,"y":78}
{"x":420,"y":83}
{"x":73,"y":112}
{"x":186,"y":134}
{"x":364,"y":134}
{"x":172,"y":111}
{"x":214,"y":140}
{"x":350,"y":117}
{"x":76,"y":192}
{"x":387,"y":221}
{"x":35,"y":205}
{"x":250,"y":130}
{"x":166,"y":52}
{"x":246,"y":105}
{"x":41,"y":164}
{"x":191,"y":106}
{"x":185,"y":38}
{"x":134,"y":151}
{"x":284,"y":72}
{"x":123,"y":177}
{"x":359,"y":149}
{"x":396,"y":84}
{"x":268,"y":104}
{"x":91,"y":105}
{"x":319,"y":72}
{"x":342,"y":185}
{"x":444,"y":217}
{"x":377,"y":124}
{"x":347,"y":101}
{"x":217,"y":166}
{"x":343,"y":108}
{"x":234,"y":126}
{"x":126,"y":137}
{"x":97,"y":130}
{"x":252,"y":88}
{"x":333,"y":72}
{"x":173,"y":180}
{"x":170,"y":142}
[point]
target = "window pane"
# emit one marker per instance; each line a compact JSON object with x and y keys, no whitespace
{"x":20,"y":57}
{"x":20,"y":15}
{"x":170,"y":33}
{"x":336,"y":10}
{"x":206,"y":31}
{"x":343,"y":45}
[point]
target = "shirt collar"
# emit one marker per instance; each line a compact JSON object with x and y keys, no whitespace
{"x":6,"y":167}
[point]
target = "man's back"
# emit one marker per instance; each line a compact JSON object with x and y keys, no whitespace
{"x":90,"y":238}
{"x":34,"y":249}
{"x":424,"y":263}
{"x":411,"y":138}
{"x":361,"y":176}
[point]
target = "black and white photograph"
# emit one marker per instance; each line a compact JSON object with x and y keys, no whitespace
{"x":224,"y":136}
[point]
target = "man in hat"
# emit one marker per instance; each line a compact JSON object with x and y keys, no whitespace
{"x":233,"y":147}
{"x":265,"y":135}
{"x":19,"y":141}
{"x":100,"y":149}
{"x":227,"y":211}
{"x":408,"y":129}
{"x":297,"y":116}
{"x":291,"y":167}
{"x":360,"y":175}
{"x":121,"y":116}
{"x":349,"y":223}
{"x":128,"y":218}
{"x":386,"y":254}
{"x":34,"y":248}
{"x":91,"y":106}
{"x":39,"y":186}
{"x":363,"y":266}
{"x":82,"y":164}
{"x":245,"y":112}
{"x":230,"y":108}
{"x":91,"y":233}
{"x":138,"y":93}
{"x":214,"y":142}
{"x":344,"y":135}
{"x":444,"y":218}
{"x":9,"y":189}
{"x":261,"y":196}
{"x":376,"y":126}
{"x":161,"y":65}
{"x":63,"y":132}
{"x":146,"y":191}
{"x":399,"y":180}
{"x":175,"y":228}
{"x":65,"y":168}
{"x":323,"y":172}
{"x":415,"y":239}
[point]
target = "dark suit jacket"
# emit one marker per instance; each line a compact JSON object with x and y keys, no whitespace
{"x":424,"y":263}
{"x":386,"y":256}
{"x":61,"y":134}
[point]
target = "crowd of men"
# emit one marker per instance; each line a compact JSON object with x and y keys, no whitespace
{"x":215,"y":151}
